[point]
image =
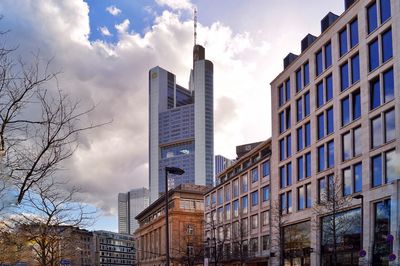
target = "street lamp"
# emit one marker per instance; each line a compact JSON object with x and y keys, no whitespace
{"x":174,"y":171}
{"x":361,"y":197}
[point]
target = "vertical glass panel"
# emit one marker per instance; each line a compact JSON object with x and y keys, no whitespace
{"x":329,"y":88}
{"x":354,"y":33}
{"x":306,"y":69}
{"x":347,"y":182}
{"x":308,"y":196}
{"x":298,"y":80}
{"x":265,"y":193}
{"x":283,"y":202}
{"x":355,"y":69}
{"x":306,"y":104}
{"x":376,"y":131}
{"x":318,"y":62}
{"x":375,"y":94}
{"x":282,"y":176}
{"x":289,"y":174}
{"x":356,"y":108}
{"x":357,"y":178}
{"x":307,"y":133}
{"x":343,"y":42}
{"x":287,"y":87}
{"x":300,"y":139}
{"x":376,"y":170}
{"x":320,"y":94}
{"x":300,"y":168}
{"x":331,"y":154}
{"x":385,"y":10}
{"x":254,"y":198}
{"x":357,"y":143}
{"x":391,"y":166}
{"x":321,"y":190}
{"x":281,"y":95}
{"x":346,"y":149}
{"x":321,"y":126}
{"x":282,"y":149}
{"x":308,"y":164}
{"x":254,"y":175}
{"x":344,"y":77}
{"x":390,"y":126}
{"x":281,"y":122}
{"x":288,"y":118}
{"x":381,"y":246}
{"x":345,"y":111}
{"x":289,"y":146}
{"x":387,"y":45}
{"x":266,"y":168}
{"x":321,"y":158}
{"x":328,"y":55}
{"x":245,"y":204}
{"x":388,"y":85}
{"x":373,"y":52}
{"x":299,"y":105}
{"x":300,"y":197}
{"x":289,"y":201}
{"x":372,"y":17}
{"x":330,"y":121}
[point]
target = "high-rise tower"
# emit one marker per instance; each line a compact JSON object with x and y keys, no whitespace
{"x":181,"y":125}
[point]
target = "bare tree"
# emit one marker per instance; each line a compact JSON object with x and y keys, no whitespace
{"x":240,"y":232}
{"x":190,"y":248}
{"x":216,"y":240}
{"x":277,"y":221}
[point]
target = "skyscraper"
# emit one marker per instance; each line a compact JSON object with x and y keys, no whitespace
{"x":221,"y":163}
{"x":181,"y":125}
{"x":129,"y":205}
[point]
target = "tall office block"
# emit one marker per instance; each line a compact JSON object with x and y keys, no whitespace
{"x":129,"y":205}
{"x":181,"y":125}
{"x":221,"y":163}
{"x":337,"y":111}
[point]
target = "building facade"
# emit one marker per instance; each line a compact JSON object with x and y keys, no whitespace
{"x":186,"y":211}
{"x":181,"y":125}
{"x":337,"y":141}
{"x":237,"y":211}
{"x":221,"y":163}
{"x":114,"y":249}
{"x":131,"y":204}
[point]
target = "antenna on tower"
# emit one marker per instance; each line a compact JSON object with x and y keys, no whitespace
{"x":195,"y":25}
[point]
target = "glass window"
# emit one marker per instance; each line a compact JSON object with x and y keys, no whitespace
{"x":318,"y":62}
{"x":372,"y":17}
{"x":236,"y":209}
{"x":288,"y":121}
{"x":266,"y":168}
{"x":329,"y":114}
{"x":299,"y":105}
{"x":356,"y":105}
{"x":343,"y":42}
{"x":321,"y":190}
{"x":289,"y":201}
{"x":300,"y":145}
{"x":245,"y":204}
{"x":373,"y":52}
{"x":308,"y":196}
{"x":300,"y":198}
{"x":308,"y":164}
{"x":299,"y":84}
{"x":347,"y":182}
{"x":244,"y":185}
{"x":254,"y":198}
{"x":265,"y":218}
{"x":355,"y":69}
{"x":390,"y":126}
{"x":344,"y":76}
{"x":306,"y":75}
{"x":376,"y":132}
{"x":345,"y":111}
{"x":254,"y":175}
{"x":282,"y":201}
{"x":266,"y":242}
{"x":381,"y":247}
{"x":320,"y":94}
{"x":265,"y":193}
{"x":300,"y":168}
{"x":387,"y":45}
{"x":321,"y":158}
{"x":289,"y":174}
{"x":331,"y":156}
{"x":357,"y":142}
{"x":281,"y":122}
{"x":353,"y":33}
{"x":388,"y":85}
{"x":307,"y":131}
{"x":281,"y":95}
{"x":306,"y":104}
{"x":220,"y":196}
{"x":321,"y":126}
{"x":385,"y":10}
{"x":357,"y":174}
{"x":375,"y":93}
{"x":287,"y":88}
{"x":282,"y":176}
{"x":228,"y":193}
{"x":227,"y":211}
{"x":328,"y":55}
{"x":376,"y":170}
{"x":329,"y":88}
{"x":391,"y":166}
{"x":282,"y":149}
{"x":346,"y":146}
{"x":289,"y":146}
{"x":235,"y":187}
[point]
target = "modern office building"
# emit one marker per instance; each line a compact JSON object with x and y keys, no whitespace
{"x":337,"y":143}
{"x":186,"y":212}
{"x":131,"y":204}
{"x":237,"y":211}
{"x":221,"y":163}
{"x":114,"y":249}
{"x":181,"y":125}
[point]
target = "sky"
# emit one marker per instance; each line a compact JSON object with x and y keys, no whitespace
{"x":103,"y":50}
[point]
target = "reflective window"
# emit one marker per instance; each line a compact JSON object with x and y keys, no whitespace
{"x":265,"y":193}
{"x":300,"y":168}
{"x":347,"y":182}
{"x":388,"y":85}
{"x":344,"y":76}
{"x":391,"y":166}
{"x":287,"y":89}
{"x":321,"y":126}
{"x":254,"y":198}
{"x":356,"y":104}
{"x":266,"y":168}
{"x":373,"y":53}
{"x":357,"y":174}
{"x":320,"y":94}
{"x":281,"y":95}
{"x":372,"y":17}
{"x":376,"y":131}
{"x":289,"y":146}
{"x":245,"y":204}
{"x":376,"y":163}
{"x":329,"y":88}
{"x":299,"y":84}
{"x":228,"y":211}
{"x":328,"y":55}
{"x":343,"y":42}
{"x":300,"y":198}
{"x":308,"y":196}
{"x":235,"y":187}
{"x":307,"y":131}
{"x":321,"y":158}
{"x":345,"y":111}
{"x":299,"y":107}
{"x":300,"y":145}
{"x":385,"y":10}
{"x":306,"y":104}
{"x":330,"y":122}
{"x":306,"y":74}
{"x":318,"y":62}
{"x":355,"y":69}
{"x":244,"y":183}
{"x":254,"y":175}
{"x":321,"y":190}
{"x":281,"y":122}
{"x":282,"y":176}
{"x":381,"y":247}
{"x":390,"y":126}
{"x":308,"y":164}
{"x":282,"y":149}
{"x":353,"y":33}
{"x":387,"y":46}
{"x":357,"y":143}
{"x":346,"y":146}
{"x":375,"y":93}
{"x":331,"y":155}
{"x":236,"y":209}
{"x":289,"y":174}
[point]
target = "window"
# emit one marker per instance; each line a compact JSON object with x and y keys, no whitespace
{"x":308,"y":164}
{"x":355,"y":69}
{"x":325,"y":123}
{"x":373,"y":53}
{"x":381,"y":246}
{"x":244,"y":183}
{"x":344,"y":76}
{"x":385,"y":10}
{"x":303,"y":106}
{"x":306,"y":104}
{"x":286,"y":202}
{"x":254,"y":221}
{"x":372,"y":17}
{"x":326,"y":156}
{"x":318,"y":63}
{"x":245,"y":204}
{"x":235,"y":209}
{"x":265,"y":218}
{"x":285,"y":146}
{"x":254,"y":175}
{"x":381,"y":93}
{"x":343,"y":42}
{"x":285,"y":175}
{"x":228,"y":212}
{"x":353,"y":33}
{"x":220,"y":214}
{"x":304,"y":199}
{"x":300,"y":144}
{"x":328,"y":55}
{"x":320,"y":94}
{"x":235,"y":188}
{"x":345,"y":111}
{"x":325,"y":188}
{"x":284,"y":120}
{"x":387,"y":46}
{"x":307,"y":133}
{"x":383,"y":128}
{"x":220,"y":196}
{"x":383,"y":168}
{"x":351,"y":144}
{"x":352,"y":179}
{"x":321,"y":158}
{"x":254,"y":198}
{"x":284,"y":92}
{"x":321,"y":125}
{"x":265,"y":193}
{"x":227,"y":192}
{"x":304,"y":166}
{"x":306,"y":74}
{"x":388,"y":85}
{"x":266,"y":169}
{"x":385,"y":41}
{"x":299,"y":105}
{"x":213,"y":198}
{"x":207,"y":203}
{"x":266,"y":242}
{"x":324,"y":91}
{"x":351,"y":107}
{"x":299,"y":84}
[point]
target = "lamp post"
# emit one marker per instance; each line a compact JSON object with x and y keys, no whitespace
{"x":361,"y":197}
{"x":174,"y":171}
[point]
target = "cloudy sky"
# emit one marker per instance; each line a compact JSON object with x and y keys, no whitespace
{"x":104,"y":49}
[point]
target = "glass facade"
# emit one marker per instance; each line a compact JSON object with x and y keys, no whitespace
{"x":296,"y":244}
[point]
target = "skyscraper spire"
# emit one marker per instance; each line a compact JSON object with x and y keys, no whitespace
{"x":195,"y":26}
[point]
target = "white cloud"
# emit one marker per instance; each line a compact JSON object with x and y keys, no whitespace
{"x":113,"y":10}
{"x":104,"y":31}
{"x":123,"y":27}
{"x":176,"y":4}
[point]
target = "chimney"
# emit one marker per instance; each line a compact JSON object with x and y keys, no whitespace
{"x":288,"y":60}
{"x":307,"y":41}
{"x":328,"y":21}
{"x":348,"y":3}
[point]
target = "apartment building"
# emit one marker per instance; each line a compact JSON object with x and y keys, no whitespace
{"x":237,"y":211}
{"x":186,"y":211}
{"x":337,"y":107}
